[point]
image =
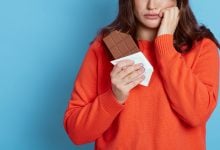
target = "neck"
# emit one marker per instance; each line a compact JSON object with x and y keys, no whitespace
{"x":144,"y":33}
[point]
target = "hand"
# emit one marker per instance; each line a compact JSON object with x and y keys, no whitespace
{"x":169,"y":22}
{"x":124,"y":76}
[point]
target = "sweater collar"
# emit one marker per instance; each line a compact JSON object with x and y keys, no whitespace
{"x":145,"y":44}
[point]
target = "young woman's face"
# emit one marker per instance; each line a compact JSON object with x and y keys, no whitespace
{"x":147,"y":11}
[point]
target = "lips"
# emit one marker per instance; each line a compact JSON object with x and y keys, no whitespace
{"x":152,"y":16}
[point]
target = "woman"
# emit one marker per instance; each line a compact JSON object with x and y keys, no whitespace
{"x":110,"y":107}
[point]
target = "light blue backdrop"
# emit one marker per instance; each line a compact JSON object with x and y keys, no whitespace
{"x":42,"y":44}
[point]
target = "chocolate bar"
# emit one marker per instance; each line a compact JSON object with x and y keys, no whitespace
{"x":120,"y":44}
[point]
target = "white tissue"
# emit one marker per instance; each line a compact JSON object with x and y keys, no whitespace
{"x":139,"y":58}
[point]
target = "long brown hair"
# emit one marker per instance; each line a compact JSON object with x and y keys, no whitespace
{"x":187,"y":32}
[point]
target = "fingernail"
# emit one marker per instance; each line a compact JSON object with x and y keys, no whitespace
{"x":140,"y":65}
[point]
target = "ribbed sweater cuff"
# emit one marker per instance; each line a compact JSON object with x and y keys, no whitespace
{"x":164,"y":44}
{"x":109,"y":102}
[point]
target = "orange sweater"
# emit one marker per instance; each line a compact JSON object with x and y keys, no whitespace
{"x":169,"y":114}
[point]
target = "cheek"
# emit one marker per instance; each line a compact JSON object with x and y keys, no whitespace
{"x":139,"y":5}
{"x":138,"y":9}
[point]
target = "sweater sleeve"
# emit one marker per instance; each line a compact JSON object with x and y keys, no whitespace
{"x":88,"y":114}
{"x":193,"y":93}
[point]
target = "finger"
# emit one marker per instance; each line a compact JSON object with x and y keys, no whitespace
{"x":133,"y":76}
{"x":166,"y":13}
{"x":177,"y":12}
{"x":160,"y":14}
{"x":163,"y":13}
{"x":129,"y":70}
{"x":174,"y":15}
{"x":126,"y":62}
{"x":134,"y":83}
{"x":169,"y":13}
{"x":166,"y":10}
{"x":120,"y":65}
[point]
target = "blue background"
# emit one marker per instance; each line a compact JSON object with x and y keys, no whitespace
{"x":42,"y":44}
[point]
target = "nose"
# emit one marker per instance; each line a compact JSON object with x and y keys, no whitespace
{"x":152,"y":4}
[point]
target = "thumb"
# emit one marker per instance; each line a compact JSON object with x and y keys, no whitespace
{"x":161,"y":14}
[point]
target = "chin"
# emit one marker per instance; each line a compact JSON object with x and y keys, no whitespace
{"x":152,"y":24}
